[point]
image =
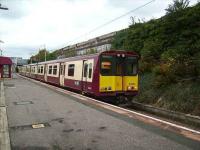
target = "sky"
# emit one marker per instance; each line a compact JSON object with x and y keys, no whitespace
{"x":30,"y":25}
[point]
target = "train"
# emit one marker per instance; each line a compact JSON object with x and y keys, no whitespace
{"x":109,"y":74}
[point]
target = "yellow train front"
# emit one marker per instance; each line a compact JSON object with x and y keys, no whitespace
{"x":118,"y":74}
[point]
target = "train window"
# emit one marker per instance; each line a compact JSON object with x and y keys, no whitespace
{"x":119,"y":69}
{"x":131,"y":66}
{"x":55,"y":70}
{"x":85,"y":70}
{"x":71,"y":70}
{"x":64,"y":70}
{"x":50,"y":69}
{"x":90,"y":70}
{"x":41,"y":69}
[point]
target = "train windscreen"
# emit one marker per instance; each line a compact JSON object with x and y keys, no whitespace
{"x":118,"y":66}
{"x":131,"y":66}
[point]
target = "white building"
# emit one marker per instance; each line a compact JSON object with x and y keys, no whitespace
{"x":96,"y":45}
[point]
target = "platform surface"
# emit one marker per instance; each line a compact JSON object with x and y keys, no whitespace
{"x":64,"y":123}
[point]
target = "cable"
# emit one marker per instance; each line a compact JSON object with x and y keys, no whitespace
{"x":135,"y":9}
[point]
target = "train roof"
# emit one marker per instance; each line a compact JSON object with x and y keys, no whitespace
{"x":69,"y":58}
{"x":5,"y":61}
{"x":84,"y":57}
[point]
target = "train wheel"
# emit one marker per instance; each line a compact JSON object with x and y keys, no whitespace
{"x":121,"y":100}
{"x":129,"y":98}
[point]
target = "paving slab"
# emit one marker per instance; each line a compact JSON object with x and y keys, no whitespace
{"x":64,"y":123}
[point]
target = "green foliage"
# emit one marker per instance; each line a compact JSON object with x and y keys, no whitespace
{"x":177,"y":6}
{"x":70,"y":53}
{"x":51,"y":56}
{"x":40,"y":56}
{"x":91,"y":51}
{"x":17,"y":69}
{"x":118,"y":42}
{"x":182,"y":97}
{"x":169,"y":47}
{"x":170,"y":58}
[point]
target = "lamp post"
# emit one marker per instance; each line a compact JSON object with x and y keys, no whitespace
{"x":45,"y":53}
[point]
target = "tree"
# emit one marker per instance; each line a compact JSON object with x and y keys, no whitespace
{"x":177,"y":5}
{"x":91,"y":51}
{"x":70,"y":53}
{"x":51,"y":56}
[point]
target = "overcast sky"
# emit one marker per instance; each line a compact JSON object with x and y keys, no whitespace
{"x":28,"y":25}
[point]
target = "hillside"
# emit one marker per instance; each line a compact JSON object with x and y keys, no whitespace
{"x":170,"y":59}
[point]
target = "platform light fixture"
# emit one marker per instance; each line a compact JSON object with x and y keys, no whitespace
{"x":4,"y":8}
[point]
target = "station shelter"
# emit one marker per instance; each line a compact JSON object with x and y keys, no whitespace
{"x":5,"y":67}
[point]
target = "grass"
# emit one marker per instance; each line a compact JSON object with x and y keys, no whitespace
{"x":182,"y":97}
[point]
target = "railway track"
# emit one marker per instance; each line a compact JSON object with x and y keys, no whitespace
{"x":128,"y":111}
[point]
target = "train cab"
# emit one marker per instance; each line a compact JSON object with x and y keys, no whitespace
{"x":118,"y":73}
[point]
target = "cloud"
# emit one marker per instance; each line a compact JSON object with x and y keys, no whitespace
{"x":28,"y":24}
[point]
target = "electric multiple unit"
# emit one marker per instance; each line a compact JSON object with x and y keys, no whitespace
{"x":106,"y":74}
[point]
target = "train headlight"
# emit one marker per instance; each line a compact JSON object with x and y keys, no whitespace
{"x":130,"y":88}
{"x":118,"y":55}
{"x":123,"y":55}
{"x":102,"y":89}
{"x":109,"y":88}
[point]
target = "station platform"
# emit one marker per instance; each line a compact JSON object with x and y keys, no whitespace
{"x":40,"y":118}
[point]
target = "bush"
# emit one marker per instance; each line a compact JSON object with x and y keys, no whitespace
{"x":170,"y":59}
{"x":181,"y":96}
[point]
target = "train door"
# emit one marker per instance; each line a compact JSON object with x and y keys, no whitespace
{"x":84,"y":75}
{"x":119,"y":74}
{"x":45,"y":72}
{"x":130,"y":79}
{"x":62,"y":74}
{"x":87,"y":75}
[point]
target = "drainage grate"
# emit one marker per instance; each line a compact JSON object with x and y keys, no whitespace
{"x":37,"y":126}
{"x":23,"y":103}
{"x":31,"y":126}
